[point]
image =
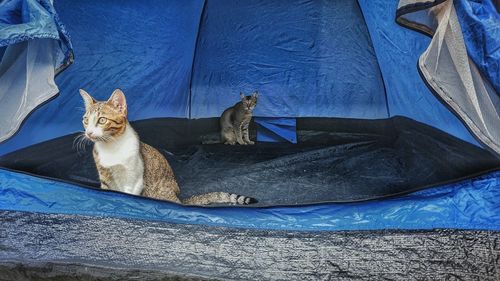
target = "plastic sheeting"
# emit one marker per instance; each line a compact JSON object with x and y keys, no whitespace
{"x":469,"y":204}
{"x":306,"y":59}
{"x":34,"y":47}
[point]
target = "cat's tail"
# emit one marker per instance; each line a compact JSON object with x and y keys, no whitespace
{"x":219,"y":198}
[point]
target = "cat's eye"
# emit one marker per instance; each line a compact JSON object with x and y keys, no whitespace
{"x":85,"y":120}
{"x":102,"y":120}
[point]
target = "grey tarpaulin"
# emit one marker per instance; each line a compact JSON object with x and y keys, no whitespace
{"x":68,"y":247}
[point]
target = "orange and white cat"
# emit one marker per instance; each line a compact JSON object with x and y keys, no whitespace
{"x":128,"y":165}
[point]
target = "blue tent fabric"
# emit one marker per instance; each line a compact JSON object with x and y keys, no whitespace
{"x":276,"y":129}
{"x":447,"y":68}
{"x":183,"y":59}
{"x":398,"y":50}
{"x":468,"y":204}
{"x":145,"y":53}
{"x":317,"y":60}
{"x":156,"y":78}
{"x":480,"y":23}
{"x":114,"y":49}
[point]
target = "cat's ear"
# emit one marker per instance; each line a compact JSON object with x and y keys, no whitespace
{"x":255,"y":94}
{"x":242,"y":95}
{"x":87,"y":99}
{"x":117,"y":100}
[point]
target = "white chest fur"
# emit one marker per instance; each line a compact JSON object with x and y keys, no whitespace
{"x":119,"y":151}
{"x":123,"y":156}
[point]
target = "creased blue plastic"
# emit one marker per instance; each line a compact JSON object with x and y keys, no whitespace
{"x":397,"y":50}
{"x":22,"y":20}
{"x":276,"y":129}
{"x":146,"y":48}
{"x":306,"y":58}
{"x":468,"y":204}
{"x":480,"y":23}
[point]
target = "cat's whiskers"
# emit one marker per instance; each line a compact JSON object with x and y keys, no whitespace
{"x":76,"y":141}
{"x":83,"y":144}
{"x":80,"y":143}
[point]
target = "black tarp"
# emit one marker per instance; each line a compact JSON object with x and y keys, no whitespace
{"x":336,"y":160}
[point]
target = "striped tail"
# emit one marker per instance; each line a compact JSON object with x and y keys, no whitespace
{"x":218,"y":198}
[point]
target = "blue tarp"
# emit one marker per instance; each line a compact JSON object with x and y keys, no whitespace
{"x":275,"y":129}
{"x":469,"y":204}
{"x":31,"y":19}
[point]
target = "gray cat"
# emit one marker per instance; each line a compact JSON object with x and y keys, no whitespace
{"x":235,"y":120}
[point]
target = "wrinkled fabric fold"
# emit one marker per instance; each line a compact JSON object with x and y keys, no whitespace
{"x":468,"y":204}
{"x":450,"y":71}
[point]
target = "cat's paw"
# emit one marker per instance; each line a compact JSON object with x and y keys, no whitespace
{"x":250,"y":142}
{"x":230,"y":142}
{"x":242,"y":142}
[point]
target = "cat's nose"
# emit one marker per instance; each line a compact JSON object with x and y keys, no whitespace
{"x":90,"y":134}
